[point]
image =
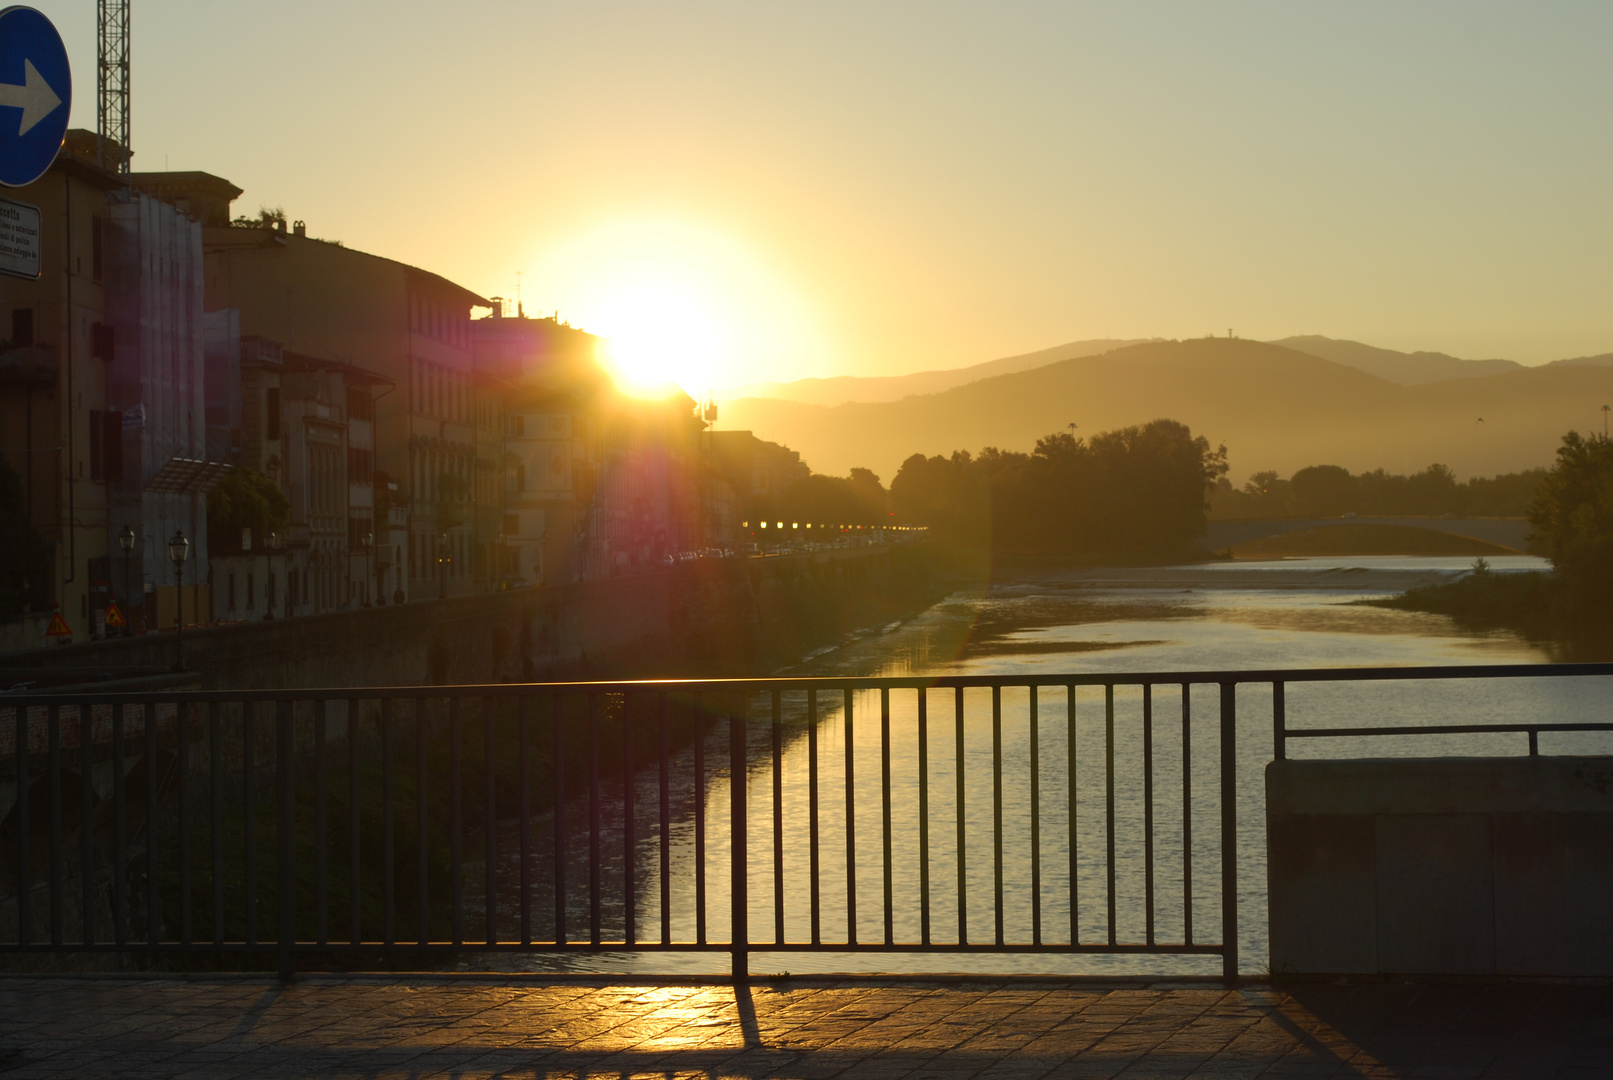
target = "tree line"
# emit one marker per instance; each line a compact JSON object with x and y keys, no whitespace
{"x":1321,"y":491}
{"x":1571,"y":519}
{"x":1135,"y":491}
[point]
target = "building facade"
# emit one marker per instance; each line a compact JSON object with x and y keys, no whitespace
{"x":60,"y":440}
{"x":404,"y":326}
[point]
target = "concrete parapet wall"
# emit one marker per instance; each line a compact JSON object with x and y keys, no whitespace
{"x":1441,"y":866}
{"x":716,"y":617}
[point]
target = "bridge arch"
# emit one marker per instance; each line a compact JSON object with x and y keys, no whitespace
{"x":1509,"y":535}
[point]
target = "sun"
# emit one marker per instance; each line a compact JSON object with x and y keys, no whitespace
{"x":660,"y":328}
{"x":677,"y":304}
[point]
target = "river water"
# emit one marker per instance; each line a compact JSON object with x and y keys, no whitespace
{"x":1288,"y":613}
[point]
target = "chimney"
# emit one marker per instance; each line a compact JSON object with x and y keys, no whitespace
{"x":300,"y":228}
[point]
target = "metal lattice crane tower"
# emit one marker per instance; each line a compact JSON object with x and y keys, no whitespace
{"x":112,"y":86}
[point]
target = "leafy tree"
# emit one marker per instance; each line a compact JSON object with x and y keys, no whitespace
{"x":1324,"y":491}
{"x":873,"y":500}
{"x":245,"y":499}
{"x":1572,"y":518}
{"x":859,"y":499}
{"x":24,"y":554}
{"x":1136,"y":490}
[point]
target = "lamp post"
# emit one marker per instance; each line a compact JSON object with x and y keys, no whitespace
{"x":178,"y":552}
{"x":126,"y":542}
{"x":269,"y":543}
{"x":443,"y":559}
{"x":367,"y":541}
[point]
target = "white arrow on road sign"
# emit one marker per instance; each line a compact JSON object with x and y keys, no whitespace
{"x":34,"y":97}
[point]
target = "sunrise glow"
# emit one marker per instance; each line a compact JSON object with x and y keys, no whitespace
{"x":678,"y":304}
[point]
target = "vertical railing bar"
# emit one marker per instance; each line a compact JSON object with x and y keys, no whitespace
{"x":1109,"y":807}
{"x":153,"y":896}
{"x":355,"y":913}
{"x":700,"y":822}
{"x":53,"y":764}
{"x":851,"y":820}
{"x":1148,"y":807}
{"x":739,"y":840}
{"x":182,"y":758}
{"x":456,"y":824}
{"x":489,"y":821}
{"x":558,"y":755}
{"x":778,"y":816}
{"x":595,"y":823}
{"x":629,"y":828}
{"x":389,"y":888}
{"x":1534,"y":742}
{"x":422,"y":835}
{"x":86,"y":830}
{"x":1187,"y":814}
{"x":924,"y":814}
{"x":120,"y":838}
{"x":321,"y":820}
{"x":812,"y":812}
{"x":285,"y":835}
{"x":1073,"y":812}
{"x":997,"y":807}
{"x":963,"y":862}
{"x":523,"y":723}
{"x":1279,"y":720}
{"x":183,"y":716}
{"x":1036,"y":814}
{"x":1229,"y":831}
{"x":249,"y":806}
{"x":885,"y":803}
{"x":664,"y":779}
{"x":25,"y":868}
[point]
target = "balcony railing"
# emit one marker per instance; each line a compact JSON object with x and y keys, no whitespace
{"x":1061,"y":815}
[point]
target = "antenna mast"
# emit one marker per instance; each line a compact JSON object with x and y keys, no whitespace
{"x":112,"y":87}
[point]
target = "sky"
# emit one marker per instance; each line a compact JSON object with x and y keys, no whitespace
{"x":739,"y":192}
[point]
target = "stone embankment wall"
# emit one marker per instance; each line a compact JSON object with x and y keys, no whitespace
{"x":726,"y":617}
{"x":1441,"y":866}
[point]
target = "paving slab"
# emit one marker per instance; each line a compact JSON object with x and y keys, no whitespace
{"x":418,"y":1027}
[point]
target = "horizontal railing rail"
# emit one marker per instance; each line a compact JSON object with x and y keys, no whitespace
{"x":1195,"y":677}
{"x":1052,"y":814}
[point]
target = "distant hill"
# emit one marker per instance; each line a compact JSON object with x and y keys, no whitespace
{"x":1275,"y":407}
{"x":844,"y":388}
{"x":1408,"y":369}
{"x":1600,"y":360}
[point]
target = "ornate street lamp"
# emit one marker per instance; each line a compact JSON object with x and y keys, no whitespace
{"x":178,"y":552}
{"x":126,"y":542}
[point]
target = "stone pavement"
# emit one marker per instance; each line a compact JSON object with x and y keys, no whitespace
{"x":463,"y":1028}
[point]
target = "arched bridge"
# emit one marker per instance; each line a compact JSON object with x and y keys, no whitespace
{"x":1512,"y":533}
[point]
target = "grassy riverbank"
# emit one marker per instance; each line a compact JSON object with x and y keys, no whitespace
{"x":1541,"y":606}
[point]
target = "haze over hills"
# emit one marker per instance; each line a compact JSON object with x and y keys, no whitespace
{"x":1274,"y":407}
{"x":1408,"y":369}
{"x":844,"y":388}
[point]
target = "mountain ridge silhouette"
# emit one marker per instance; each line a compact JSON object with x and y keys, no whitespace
{"x":1274,"y":407}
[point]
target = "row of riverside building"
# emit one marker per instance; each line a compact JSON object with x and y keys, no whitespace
{"x":429,"y":443}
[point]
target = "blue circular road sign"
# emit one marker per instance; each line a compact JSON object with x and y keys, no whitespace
{"x":36,"y":94}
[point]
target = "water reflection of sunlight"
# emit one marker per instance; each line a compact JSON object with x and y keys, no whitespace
{"x":1141,"y":630}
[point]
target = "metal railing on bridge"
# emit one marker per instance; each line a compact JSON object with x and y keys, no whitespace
{"x":1091,"y":813}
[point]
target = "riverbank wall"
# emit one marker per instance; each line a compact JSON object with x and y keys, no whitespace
{"x":708,"y":618}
